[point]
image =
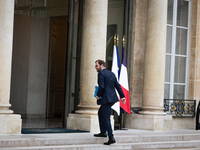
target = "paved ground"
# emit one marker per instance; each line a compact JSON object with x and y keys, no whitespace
{"x":126,"y":139}
{"x":117,"y":133}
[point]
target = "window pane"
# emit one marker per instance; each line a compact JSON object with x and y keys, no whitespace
{"x":167,"y":89}
{"x":180,"y":69}
{"x":170,"y":12}
{"x":169,"y":40}
{"x":179,"y":91}
{"x":181,"y":41}
{"x":167,"y":68}
{"x":182,"y":13}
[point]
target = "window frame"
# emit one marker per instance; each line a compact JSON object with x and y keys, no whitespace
{"x":173,"y":50}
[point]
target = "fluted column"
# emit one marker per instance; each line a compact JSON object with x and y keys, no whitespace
{"x":9,"y":122}
{"x":154,"y":71}
{"x":94,"y":47}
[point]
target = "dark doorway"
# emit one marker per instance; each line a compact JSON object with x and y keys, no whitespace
{"x":39,"y":62}
{"x":56,"y":66}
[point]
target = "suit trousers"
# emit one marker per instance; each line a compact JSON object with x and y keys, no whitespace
{"x":104,"y":118}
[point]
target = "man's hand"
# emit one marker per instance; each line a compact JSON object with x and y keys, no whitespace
{"x":97,"y":97}
{"x":123,"y":101}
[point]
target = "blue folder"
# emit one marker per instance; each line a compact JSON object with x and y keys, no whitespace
{"x":95,"y":92}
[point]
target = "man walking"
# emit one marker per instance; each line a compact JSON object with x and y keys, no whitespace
{"x":106,"y":97}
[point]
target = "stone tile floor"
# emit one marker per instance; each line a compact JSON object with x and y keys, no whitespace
{"x":42,"y":123}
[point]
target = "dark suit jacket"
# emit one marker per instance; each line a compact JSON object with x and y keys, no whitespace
{"x":107,"y":84}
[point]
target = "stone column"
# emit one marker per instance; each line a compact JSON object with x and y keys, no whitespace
{"x":154,"y":67}
{"x":152,"y":116}
{"x":9,"y":122}
{"x":94,"y":47}
{"x":194,"y":64}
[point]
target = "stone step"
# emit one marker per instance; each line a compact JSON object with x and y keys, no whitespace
{"x":125,"y":139}
{"x":118,"y":146}
{"x":87,"y":138}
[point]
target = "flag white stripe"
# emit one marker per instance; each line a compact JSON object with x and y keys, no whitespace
{"x":114,"y":62}
{"x":114,"y":69}
{"x":123,"y":80}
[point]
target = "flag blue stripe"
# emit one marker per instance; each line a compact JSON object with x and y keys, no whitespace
{"x":118,"y":63}
{"x":123,"y":57}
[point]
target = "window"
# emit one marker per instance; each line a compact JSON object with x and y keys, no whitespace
{"x":177,"y":49}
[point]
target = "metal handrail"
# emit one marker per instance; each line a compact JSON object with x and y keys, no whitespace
{"x":180,"y":107}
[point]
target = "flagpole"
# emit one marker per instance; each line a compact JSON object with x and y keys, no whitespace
{"x":111,"y":68}
{"x":115,"y":39}
{"x":120,"y":117}
{"x":119,"y":106}
{"x":121,"y":114}
{"x":123,"y":41}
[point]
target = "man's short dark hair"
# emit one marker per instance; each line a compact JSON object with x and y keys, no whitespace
{"x":101,"y":62}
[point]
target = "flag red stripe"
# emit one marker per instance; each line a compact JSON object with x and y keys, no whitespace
{"x":125,"y":106}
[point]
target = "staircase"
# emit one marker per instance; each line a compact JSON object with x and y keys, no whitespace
{"x":126,"y":140}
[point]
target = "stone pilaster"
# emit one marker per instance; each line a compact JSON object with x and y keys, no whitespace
{"x":154,"y":72}
{"x":138,"y":51}
{"x":94,"y":47}
{"x":194,"y":64}
{"x":194,"y":72}
{"x":9,"y":122}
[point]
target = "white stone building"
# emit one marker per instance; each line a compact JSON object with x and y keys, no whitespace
{"x":48,"y":49}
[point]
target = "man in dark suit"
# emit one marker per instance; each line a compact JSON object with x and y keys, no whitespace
{"x":106,"y":97}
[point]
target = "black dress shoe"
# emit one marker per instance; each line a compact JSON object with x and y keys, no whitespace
{"x":110,"y":141}
{"x":102,"y":134}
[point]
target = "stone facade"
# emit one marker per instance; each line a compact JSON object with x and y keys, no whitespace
{"x":147,"y":66}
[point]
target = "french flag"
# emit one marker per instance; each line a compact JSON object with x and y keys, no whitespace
{"x":115,"y":68}
{"x":123,"y":81}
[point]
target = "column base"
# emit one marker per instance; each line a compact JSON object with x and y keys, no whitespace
{"x":148,"y":122}
{"x":10,"y":124}
{"x":85,"y":122}
{"x":155,"y":111}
